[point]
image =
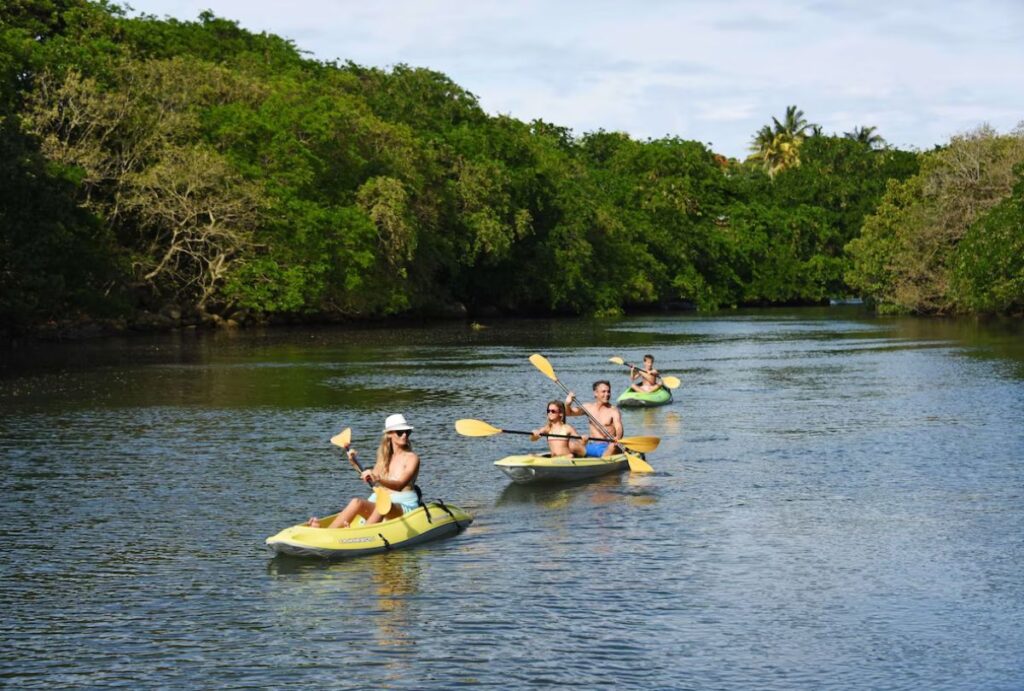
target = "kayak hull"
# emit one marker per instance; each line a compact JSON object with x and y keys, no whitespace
{"x":414,"y":528}
{"x":643,"y":399}
{"x":527,"y":469}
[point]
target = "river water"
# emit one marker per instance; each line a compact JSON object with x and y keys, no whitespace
{"x":838,"y":503}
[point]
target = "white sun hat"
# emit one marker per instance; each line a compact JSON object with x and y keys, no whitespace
{"x":396,"y":423}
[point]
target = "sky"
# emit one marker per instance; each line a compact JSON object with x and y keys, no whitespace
{"x":714,"y":71}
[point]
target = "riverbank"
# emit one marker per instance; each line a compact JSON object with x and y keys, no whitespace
{"x":173,"y":319}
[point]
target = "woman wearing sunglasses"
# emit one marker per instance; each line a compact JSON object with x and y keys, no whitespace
{"x":560,"y":446}
{"x":396,"y":468}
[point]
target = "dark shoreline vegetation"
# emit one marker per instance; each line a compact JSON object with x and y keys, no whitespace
{"x":159,"y":174}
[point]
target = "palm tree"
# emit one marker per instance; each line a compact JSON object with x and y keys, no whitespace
{"x":866,"y":136}
{"x":793,"y":124}
{"x":763,"y":138}
{"x":778,"y":147}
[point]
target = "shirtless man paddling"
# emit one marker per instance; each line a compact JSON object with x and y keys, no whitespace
{"x":604,"y":412}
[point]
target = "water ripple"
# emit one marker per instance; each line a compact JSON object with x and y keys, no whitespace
{"x":837,"y":505}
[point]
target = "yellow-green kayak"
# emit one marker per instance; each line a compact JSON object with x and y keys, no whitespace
{"x":435,"y":521}
{"x":524,"y":469}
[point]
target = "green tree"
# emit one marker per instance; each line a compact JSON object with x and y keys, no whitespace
{"x":224,"y":170}
{"x":179,"y":207}
{"x":843,"y":181}
{"x":56,"y":259}
{"x":988,"y":265}
{"x":866,"y":136}
{"x":777,"y":148}
{"x":904,"y":256}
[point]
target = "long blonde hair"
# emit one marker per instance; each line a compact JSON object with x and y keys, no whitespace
{"x":385,"y":452}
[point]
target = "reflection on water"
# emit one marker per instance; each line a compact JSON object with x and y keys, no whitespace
{"x":395,"y":581}
{"x":840,"y":508}
{"x":556,"y":495}
{"x":653,"y":421}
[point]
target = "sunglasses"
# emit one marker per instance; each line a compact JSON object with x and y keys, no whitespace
{"x":554,"y":410}
{"x":403,"y":432}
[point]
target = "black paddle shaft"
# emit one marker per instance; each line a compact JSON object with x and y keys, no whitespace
{"x":560,"y":436}
{"x":359,"y":468}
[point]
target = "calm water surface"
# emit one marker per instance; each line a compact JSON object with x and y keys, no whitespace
{"x":838,"y":504}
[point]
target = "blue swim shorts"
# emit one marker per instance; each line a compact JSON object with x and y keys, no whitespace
{"x":597,"y":448}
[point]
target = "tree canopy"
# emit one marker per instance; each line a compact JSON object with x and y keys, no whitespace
{"x":152,"y":164}
{"x":943,"y":240}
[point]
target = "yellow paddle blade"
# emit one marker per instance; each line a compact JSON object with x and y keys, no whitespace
{"x":638,"y":465}
{"x":617,"y":360}
{"x":671,"y":382}
{"x":475,"y":428}
{"x":383,"y":495}
{"x":343,"y":438}
{"x":541,"y":363}
{"x":641,"y":444}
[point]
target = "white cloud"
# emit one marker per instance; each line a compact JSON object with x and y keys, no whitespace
{"x":710,"y":71}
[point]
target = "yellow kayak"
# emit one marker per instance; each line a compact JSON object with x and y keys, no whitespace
{"x":435,"y":521}
{"x":523,"y":469}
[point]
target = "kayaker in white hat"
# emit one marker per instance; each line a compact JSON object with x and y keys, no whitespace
{"x":397,"y":468}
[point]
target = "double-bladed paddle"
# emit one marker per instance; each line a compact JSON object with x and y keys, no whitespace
{"x":669,"y":382}
{"x":478,"y":428}
{"x":636,"y":464}
{"x":382,"y":494}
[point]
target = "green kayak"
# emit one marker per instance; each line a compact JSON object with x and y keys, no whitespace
{"x":644,"y":399}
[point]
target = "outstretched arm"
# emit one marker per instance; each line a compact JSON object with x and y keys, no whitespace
{"x":535,"y":434}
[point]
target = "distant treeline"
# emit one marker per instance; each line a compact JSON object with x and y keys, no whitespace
{"x":195,"y":169}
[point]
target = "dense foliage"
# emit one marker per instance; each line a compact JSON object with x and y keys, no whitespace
{"x":196,"y":168}
{"x":948,"y":239}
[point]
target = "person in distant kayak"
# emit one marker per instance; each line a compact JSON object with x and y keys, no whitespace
{"x":648,"y":377}
{"x":556,"y":424}
{"x":604,"y":412}
{"x":397,"y":468}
